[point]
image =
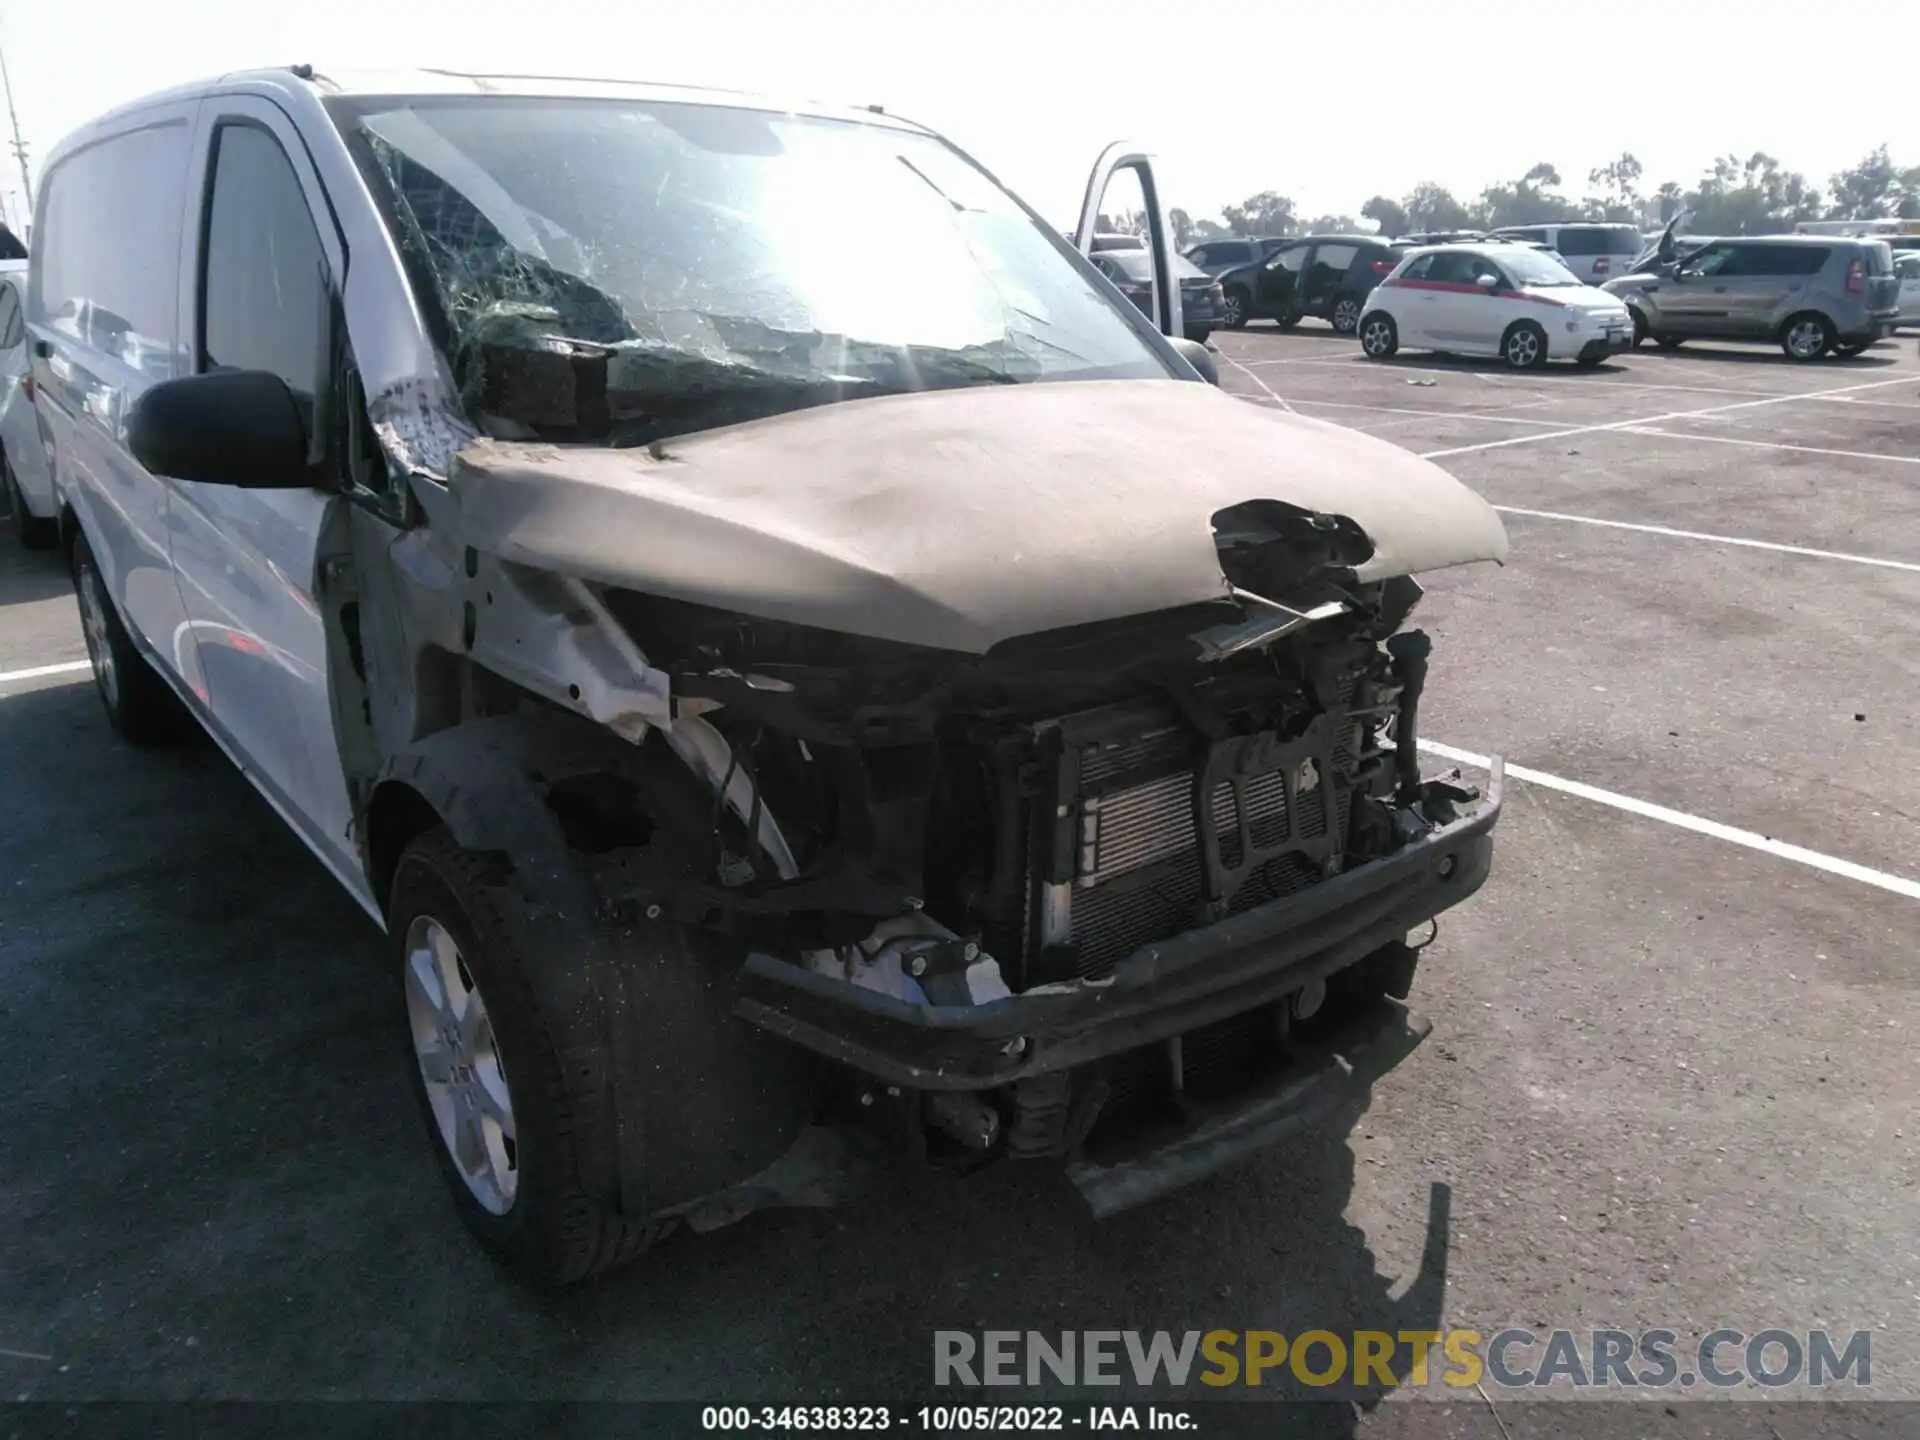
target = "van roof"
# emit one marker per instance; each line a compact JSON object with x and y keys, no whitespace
{"x":349,"y":83}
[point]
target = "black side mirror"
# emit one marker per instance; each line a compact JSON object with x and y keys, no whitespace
{"x":1198,"y":356}
{"x":226,"y":427}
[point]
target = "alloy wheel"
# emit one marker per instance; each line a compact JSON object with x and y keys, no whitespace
{"x":1523,"y":349}
{"x":453,"y":1041}
{"x":1806,"y":339}
{"x":93,"y":625}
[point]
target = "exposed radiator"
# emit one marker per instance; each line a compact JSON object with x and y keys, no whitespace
{"x":1120,"y":864}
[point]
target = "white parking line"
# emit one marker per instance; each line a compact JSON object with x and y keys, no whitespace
{"x":1430,"y":414}
{"x":1714,"y":539}
{"x":1773,"y":445}
{"x":1658,"y":419}
{"x":1585,"y":382}
{"x":1877,"y":404}
{"x":1766,"y":844}
{"x":1278,"y":400}
{"x":65,"y":668}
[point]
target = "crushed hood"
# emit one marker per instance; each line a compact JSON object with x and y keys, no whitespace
{"x":958,"y":518}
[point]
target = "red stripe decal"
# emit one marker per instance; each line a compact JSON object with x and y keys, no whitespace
{"x":1454,"y":287}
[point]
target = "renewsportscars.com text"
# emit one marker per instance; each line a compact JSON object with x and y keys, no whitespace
{"x":1511,"y":1358}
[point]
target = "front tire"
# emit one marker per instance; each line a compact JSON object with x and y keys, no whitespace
{"x":516,"y":1132}
{"x":1236,"y":308}
{"x":1379,"y":336}
{"x":1806,"y":337}
{"x":1524,"y":346}
{"x":1668,"y":342}
{"x":1346,"y":315}
{"x":139,"y":705}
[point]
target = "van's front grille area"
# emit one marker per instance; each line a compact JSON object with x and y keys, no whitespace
{"x":1118,"y":861}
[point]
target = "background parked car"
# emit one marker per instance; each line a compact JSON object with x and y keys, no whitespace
{"x":1594,"y":253}
{"x":1202,"y":307}
{"x":1906,"y":266}
{"x":1808,"y":293}
{"x":24,"y":472}
{"x":1513,"y":301}
{"x":1422,"y":238}
{"x":1218,"y":256}
{"x":1325,"y":275}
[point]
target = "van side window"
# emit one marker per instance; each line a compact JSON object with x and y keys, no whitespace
{"x":264,"y":298}
{"x":106,"y":261}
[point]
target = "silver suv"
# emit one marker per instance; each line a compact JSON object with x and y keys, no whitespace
{"x":1810,"y":294}
{"x":774,"y":715}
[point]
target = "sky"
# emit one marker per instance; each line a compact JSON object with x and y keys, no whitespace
{"x":1326,"y":103}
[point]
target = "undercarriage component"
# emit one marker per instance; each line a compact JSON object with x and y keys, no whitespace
{"x":1334,"y":1078}
{"x":964,"y":1117}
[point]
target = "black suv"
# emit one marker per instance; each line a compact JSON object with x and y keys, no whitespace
{"x":1324,"y":275}
{"x":1216,"y":256}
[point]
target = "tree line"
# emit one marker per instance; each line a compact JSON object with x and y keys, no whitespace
{"x":1735,"y":197}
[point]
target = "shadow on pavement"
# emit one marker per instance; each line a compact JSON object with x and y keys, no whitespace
{"x":27,"y":575}
{"x":1724,"y":353}
{"x":1492,"y":365}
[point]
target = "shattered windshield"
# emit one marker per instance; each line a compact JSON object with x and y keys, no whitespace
{"x":621,"y":271}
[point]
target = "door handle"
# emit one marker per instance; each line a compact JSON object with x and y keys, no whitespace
{"x":1719,"y":289}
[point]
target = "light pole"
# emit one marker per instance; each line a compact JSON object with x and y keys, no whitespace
{"x":19,"y":145}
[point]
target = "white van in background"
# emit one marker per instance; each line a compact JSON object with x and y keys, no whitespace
{"x":1596,"y":253}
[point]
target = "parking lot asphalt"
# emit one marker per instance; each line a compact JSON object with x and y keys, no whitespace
{"x":1671,"y":1082}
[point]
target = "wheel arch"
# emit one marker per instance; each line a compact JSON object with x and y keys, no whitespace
{"x":500,"y":786}
{"x":397,"y":814}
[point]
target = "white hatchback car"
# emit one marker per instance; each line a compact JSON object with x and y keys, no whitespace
{"x":1520,"y":304}
{"x":1906,"y":264}
{"x":25,"y":483}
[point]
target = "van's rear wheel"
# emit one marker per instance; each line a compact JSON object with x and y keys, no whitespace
{"x":138,"y":703}
{"x":517,"y":1132}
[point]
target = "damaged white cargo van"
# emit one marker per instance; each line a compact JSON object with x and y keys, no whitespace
{"x":800,"y":667}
